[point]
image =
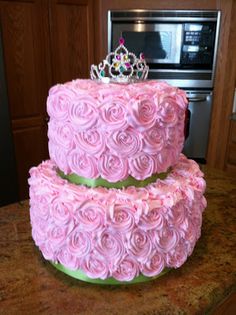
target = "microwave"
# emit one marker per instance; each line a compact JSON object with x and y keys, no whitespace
{"x":179,"y":44}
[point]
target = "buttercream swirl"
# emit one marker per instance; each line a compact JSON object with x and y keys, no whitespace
{"x":127,"y":269}
{"x":113,"y":113}
{"x":154,"y":139}
{"x":82,"y":164}
{"x":127,"y":142}
{"x":90,"y":216}
{"x":141,"y":166}
{"x":140,"y":245}
{"x":154,"y":265}
{"x":109,"y":244}
{"x":143,"y":110}
{"x":59,"y":100}
{"x":122,"y":217}
{"x":112,"y":167}
{"x":82,"y":112}
{"x":79,"y":243}
{"x":90,"y":141}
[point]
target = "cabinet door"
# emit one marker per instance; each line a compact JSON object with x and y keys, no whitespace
{"x":27,"y":82}
{"x":71,"y":31}
{"x":231,"y":152}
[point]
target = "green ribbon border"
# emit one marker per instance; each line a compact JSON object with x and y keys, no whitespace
{"x":79,"y":275}
{"x":129,"y":181}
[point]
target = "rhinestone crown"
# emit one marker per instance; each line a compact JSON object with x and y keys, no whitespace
{"x":120,"y":66}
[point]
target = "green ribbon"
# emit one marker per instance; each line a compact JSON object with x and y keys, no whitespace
{"x":129,"y":181}
{"x":78,"y":274}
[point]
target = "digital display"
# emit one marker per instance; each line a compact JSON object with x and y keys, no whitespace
{"x":193,"y":27}
{"x":191,"y":48}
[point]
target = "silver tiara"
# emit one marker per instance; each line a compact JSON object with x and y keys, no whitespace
{"x":120,"y":66}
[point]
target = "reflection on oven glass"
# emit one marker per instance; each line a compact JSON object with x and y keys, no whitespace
{"x":154,"y":45}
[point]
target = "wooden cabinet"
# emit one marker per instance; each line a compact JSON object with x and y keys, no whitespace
{"x":231,"y":149}
{"x":44,"y":42}
{"x":71,"y":38}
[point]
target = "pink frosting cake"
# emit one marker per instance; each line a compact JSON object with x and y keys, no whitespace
{"x":113,"y":232}
{"x":116,"y":132}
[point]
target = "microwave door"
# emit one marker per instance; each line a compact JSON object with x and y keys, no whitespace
{"x":160,"y":43}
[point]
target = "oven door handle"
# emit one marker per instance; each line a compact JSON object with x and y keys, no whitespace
{"x":197,"y":99}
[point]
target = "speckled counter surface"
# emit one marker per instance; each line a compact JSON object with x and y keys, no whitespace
{"x":30,"y":285}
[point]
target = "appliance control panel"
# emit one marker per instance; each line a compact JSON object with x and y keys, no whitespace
{"x":198,"y":43}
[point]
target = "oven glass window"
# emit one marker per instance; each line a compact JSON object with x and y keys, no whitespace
{"x":154,"y":45}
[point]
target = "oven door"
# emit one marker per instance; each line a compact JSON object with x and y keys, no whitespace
{"x":196,"y":144}
{"x":160,"y":42}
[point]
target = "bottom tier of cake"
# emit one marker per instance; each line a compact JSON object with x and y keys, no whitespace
{"x":117,"y":234}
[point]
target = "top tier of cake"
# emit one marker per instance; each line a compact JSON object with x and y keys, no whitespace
{"x":114,"y":131}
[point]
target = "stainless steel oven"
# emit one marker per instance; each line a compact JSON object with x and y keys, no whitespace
{"x":180,"y":47}
{"x":198,"y":128}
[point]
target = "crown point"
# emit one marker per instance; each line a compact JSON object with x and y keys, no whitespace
{"x":142,"y":56}
{"x":121,"y":41}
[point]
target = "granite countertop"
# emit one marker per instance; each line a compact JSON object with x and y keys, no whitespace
{"x":30,"y":285}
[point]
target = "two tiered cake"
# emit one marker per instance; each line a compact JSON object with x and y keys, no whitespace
{"x":117,"y":201}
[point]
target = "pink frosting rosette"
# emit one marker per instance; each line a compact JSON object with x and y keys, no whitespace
{"x":121,"y":217}
{"x":59,"y":101}
{"x":67,"y":259}
{"x":90,"y":216}
{"x":83,"y":164}
{"x":154,"y":139}
{"x":82,"y":112}
{"x":154,"y":265}
{"x":178,"y":215}
{"x":112,"y":167}
{"x":79,"y":243}
{"x":110,"y":246}
{"x":95,"y":267}
{"x":141,"y":166}
{"x":178,"y":256}
{"x":59,"y":156}
{"x":191,"y":233}
{"x":40,"y":207}
{"x":198,"y":183}
{"x":91,"y":141}
{"x":154,"y":219}
{"x":139,"y":245}
{"x":127,"y":269}
{"x":39,"y":230}
{"x":113,"y":114}
{"x":181,"y":99}
{"x":61,"y":211}
{"x":48,"y":252}
{"x":164,"y":160}
{"x":143,"y":111}
{"x":57,"y":235}
{"x":167,"y":239}
{"x":61,"y":133}
{"x":168,"y":111}
{"x":175,"y":136}
{"x":125,"y":143}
